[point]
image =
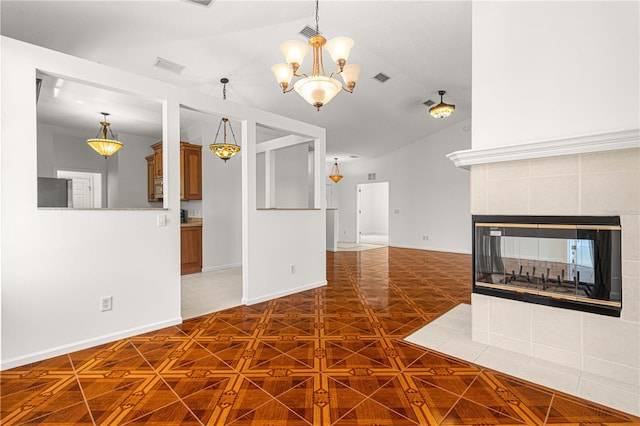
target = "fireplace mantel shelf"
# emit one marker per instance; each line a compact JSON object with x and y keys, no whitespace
{"x":548,"y":148}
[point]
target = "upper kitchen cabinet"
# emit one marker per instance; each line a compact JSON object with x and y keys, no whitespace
{"x":190,"y":172}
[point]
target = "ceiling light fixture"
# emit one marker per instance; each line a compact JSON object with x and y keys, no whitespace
{"x":317,"y":89}
{"x":442,"y":110}
{"x":335,"y":172}
{"x":224,"y":150}
{"x":102,"y":145}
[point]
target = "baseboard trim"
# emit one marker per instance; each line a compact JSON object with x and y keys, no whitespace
{"x":431,"y":249}
{"x":221,"y":267}
{"x":253,"y":301}
{"x":84,"y":344}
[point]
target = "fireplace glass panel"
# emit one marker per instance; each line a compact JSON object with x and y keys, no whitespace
{"x":565,"y":262}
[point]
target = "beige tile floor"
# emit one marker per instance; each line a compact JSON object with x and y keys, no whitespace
{"x":451,"y":334}
{"x":212,"y":291}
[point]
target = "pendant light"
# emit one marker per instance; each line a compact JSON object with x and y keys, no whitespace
{"x":335,"y":172}
{"x":224,"y":150}
{"x":442,"y":110}
{"x":317,"y":89}
{"x":102,"y":145}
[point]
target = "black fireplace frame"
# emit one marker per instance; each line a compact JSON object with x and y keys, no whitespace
{"x":584,"y":306}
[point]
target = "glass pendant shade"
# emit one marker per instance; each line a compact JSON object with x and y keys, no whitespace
{"x":103,"y":145}
{"x":224,"y":150}
{"x":294,"y":51}
{"x":335,"y":172}
{"x":318,"y":90}
{"x":283,"y":74}
{"x":339,"y":48}
{"x":350,"y":75}
{"x":442,"y":110}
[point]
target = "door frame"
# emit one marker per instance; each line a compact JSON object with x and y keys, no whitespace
{"x":359,"y":205}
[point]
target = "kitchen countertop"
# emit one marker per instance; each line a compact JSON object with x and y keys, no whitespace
{"x":192,"y":221}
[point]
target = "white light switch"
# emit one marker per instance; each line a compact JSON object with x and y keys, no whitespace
{"x":162,"y":220}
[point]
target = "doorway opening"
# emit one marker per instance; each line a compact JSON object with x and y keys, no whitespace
{"x":372,"y":220}
{"x":87,"y":188}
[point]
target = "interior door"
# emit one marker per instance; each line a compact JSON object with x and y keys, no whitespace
{"x":82,"y":192}
{"x":86,"y":190}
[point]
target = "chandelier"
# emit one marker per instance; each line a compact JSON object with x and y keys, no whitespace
{"x":102,"y":145}
{"x":224,"y":150}
{"x":442,"y":110}
{"x":317,"y":89}
{"x":335,"y":172}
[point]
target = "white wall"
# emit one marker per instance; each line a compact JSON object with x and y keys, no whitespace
{"x":291,"y":176}
{"x":52,"y":264}
{"x":547,"y":70}
{"x":428,"y":196}
{"x":132,"y":171}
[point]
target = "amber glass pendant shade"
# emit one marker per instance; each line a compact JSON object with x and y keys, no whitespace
{"x":335,"y":173}
{"x":103,"y":145}
{"x":442,"y":110}
{"x":224,"y":150}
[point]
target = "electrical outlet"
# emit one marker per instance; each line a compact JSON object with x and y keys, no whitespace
{"x":292,"y":268}
{"x":106,"y":303}
{"x":425,"y":238}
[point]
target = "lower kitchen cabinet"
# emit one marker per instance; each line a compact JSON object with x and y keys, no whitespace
{"x":190,"y":249}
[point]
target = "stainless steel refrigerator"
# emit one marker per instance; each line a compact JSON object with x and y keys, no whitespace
{"x":54,"y":192}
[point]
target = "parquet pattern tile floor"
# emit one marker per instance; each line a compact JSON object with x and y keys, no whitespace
{"x":329,"y":356}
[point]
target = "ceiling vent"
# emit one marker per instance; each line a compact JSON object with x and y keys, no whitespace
{"x":167,"y":65}
{"x":308,"y":31}
{"x":201,"y":2}
{"x":353,"y":156}
{"x":429,"y":103}
{"x":381,"y":77}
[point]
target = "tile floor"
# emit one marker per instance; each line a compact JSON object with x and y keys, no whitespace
{"x":211,"y":291}
{"x":328,"y":356}
{"x":450,"y":334}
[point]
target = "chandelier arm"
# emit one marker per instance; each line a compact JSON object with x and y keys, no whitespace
{"x":287,"y":91}
{"x":346,"y":89}
{"x":303,"y":74}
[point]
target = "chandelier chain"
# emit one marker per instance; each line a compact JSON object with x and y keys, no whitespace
{"x":317,"y":18}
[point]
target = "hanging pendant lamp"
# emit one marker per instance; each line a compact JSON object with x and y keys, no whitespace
{"x":224,"y":150}
{"x":335,"y":172}
{"x":102,"y":145}
{"x":442,"y":110}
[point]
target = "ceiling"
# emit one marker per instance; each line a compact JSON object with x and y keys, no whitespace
{"x":423,"y":46}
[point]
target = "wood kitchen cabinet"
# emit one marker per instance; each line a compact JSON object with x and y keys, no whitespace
{"x":190,"y":249}
{"x":151,"y":180}
{"x":190,"y":172}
